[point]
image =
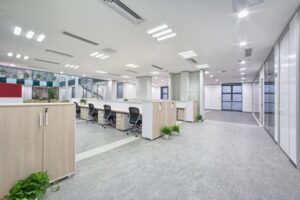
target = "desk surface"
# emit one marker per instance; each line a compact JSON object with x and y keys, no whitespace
{"x":116,"y":110}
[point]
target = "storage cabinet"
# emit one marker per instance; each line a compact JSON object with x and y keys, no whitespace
{"x":101,"y":116}
{"x":122,"y":121}
{"x":33,"y":140}
{"x":180,"y":114}
{"x":84,"y":113}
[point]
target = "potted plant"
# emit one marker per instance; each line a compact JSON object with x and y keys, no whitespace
{"x":175,"y":129}
{"x":51,"y":94}
{"x":125,"y":99}
{"x":83,"y":101}
{"x":199,"y":118}
{"x":32,"y":187}
{"x":166,"y":132}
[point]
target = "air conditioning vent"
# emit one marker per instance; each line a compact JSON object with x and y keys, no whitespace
{"x":238,"y":5}
{"x":124,"y":10}
{"x":132,"y":71}
{"x":109,"y":50}
{"x":248,"y":52}
{"x":59,"y":53}
{"x":47,"y":61}
{"x":80,"y":38}
{"x":192,"y":61}
{"x":157,"y":67}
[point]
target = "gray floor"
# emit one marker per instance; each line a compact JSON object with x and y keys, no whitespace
{"x":229,"y":116}
{"x":210,"y":161}
{"x":89,"y":136}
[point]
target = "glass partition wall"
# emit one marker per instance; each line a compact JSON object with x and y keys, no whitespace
{"x":269,"y":94}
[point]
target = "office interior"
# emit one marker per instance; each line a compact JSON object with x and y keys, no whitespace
{"x":88,"y":87}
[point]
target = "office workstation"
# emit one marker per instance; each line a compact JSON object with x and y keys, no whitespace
{"x":131,"y":100}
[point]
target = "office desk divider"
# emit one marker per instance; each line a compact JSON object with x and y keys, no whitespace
{"x":36,"y":137}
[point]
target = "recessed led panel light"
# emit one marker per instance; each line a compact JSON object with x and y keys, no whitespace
{"x":166,"y":37}
{"x":104,"y":57}
{"x":211,"y":76}
{"x":124,"y":76}
{"x":99,"y":55}
{"x":26,"y":57}
{"x":40,"y":38}
{"x":18,"y":56}
{"x":162,"y":33}
{"x":61,"y":72}
{"x":94,"y":54}
{"x":29,"y":34}
{"x":206,"y":72}
{"x":242,"y":44}
{"x":10,"y":54}
{"x":243,"y":13}
{"x":217,"y":80}
{"x":101,"y":72}
{"x":243,"y":69}
{"x":242,"y":62}
{"x":67,"y":65}
{"x":83,"y":75}
{"x":17,"y":30}
{"x":242,"y":73}
{"x":154,"y":72}
{"x":133,"y":66}
{"x":188,"y":54}
{"x":156,"y":29}
{"x":243,"y":78}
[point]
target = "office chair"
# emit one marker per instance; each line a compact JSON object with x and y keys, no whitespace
{"x":109,"y":116}
{"x":93,"y":114}
{"x":134,"y":120}
{"x":77,"y":110}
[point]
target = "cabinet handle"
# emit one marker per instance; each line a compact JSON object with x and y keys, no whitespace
{"x":41,"y":119}
{"x":46,"y":116}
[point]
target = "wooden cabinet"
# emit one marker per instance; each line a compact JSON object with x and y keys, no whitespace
{"x":32,"y":140}
{"x":156,"y":115}
{"x":180,"y":114}
{"x":122,"y":121}
{"x":84,"y":113}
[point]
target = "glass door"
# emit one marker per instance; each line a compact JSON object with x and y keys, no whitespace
{"x":232,"y":97}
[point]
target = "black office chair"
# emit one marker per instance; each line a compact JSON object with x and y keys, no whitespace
{"x":77,"y":109}
{"x":109,"y":116}
{"x":93,"y":114}
{"x":134,"y":120}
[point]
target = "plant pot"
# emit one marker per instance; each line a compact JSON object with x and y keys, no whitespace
{"x":166,"y":136}
{"x":176,"y":133}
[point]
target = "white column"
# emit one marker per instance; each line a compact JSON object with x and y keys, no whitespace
{"x":77,"y":88}
{"x":202,"y":93}
{"x":144,"y":88}
{"x":185,"y":86}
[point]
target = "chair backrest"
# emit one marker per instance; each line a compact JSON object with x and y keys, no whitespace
{"x":76,"y":106}
{"x":107,"y":111}
{"x":91,"y":108}
{"x":134,"y":114}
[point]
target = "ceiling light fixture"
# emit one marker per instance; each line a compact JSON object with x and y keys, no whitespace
{"x":243,"y":13}
{"x":67,"y":65}
{"x":94,"y":54}
{"x":104,"y":57}
{"x":242,"y":44}
{"x":156,"y":29}
{"x":29,"y":34}
{"x":61,"y":72}
{"x":155,"y":72}
{"x":206,"y":72}
{"x":83,"y":75}
{"x":18,"y":56}
{"x":26,"y":57}
{"x":242,"y":62}
{"x":162,"y":33}
{"x":166,"y":37}
{"x":211,"y":76}
{"x":101,"y":72}
{"x":242,"y":73}
{"x":133,"y":66}
{"x":10,"y":54}
{"x":243,"y":78}
{"x":217,"y":80}
{"x":40,"y":38}
{"x":124,"y":76}
{"x":204,"y":66}
{"x":187,"y":54}
{"x":17,"y":30}
{"x":243,"y":69}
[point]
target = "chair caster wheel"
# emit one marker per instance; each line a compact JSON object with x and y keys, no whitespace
{"x":127,"y":134}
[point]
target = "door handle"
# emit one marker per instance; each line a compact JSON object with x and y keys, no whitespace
{"x":41,"y":119}
{"x":46,"y":116}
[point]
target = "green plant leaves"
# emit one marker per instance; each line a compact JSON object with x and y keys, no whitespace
{"x":31,"y":188}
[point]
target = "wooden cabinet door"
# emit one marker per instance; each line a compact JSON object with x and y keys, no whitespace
{"x":21,"y":140}
{"x":59,"y":141}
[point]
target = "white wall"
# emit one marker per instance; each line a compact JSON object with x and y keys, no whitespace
{"x":212,"y":97}
{"x":26,"y":92}
{"x":129,"y":91}
{"x":156,"y":93}
{"x":247,"y":97}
